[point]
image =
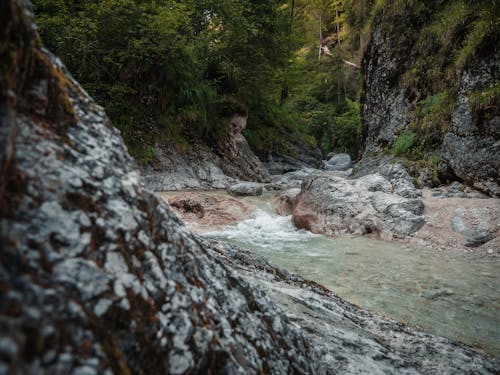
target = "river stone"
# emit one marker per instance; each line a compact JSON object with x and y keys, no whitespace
{"x":339,"y":162}
{"x":473,"y":237}
{"x":384,"y":205}
{"x":245,"y":189}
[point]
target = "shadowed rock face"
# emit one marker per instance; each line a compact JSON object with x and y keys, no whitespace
{"x":470,"y":144}
{"x":98,"y":276}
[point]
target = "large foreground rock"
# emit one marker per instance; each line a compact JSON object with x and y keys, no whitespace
{"x":98,"y":276}
{"x":385,"y":204}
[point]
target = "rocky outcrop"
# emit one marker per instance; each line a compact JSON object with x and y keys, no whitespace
{"x":472,"y":144}
{"x":465,"y":138}
{"x":199,"y":167}
{"x":196,"y":168}
{"x":386,"y":204}
{"x":237,"y":159}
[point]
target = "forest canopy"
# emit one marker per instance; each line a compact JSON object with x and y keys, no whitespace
{"x":172,"y":71}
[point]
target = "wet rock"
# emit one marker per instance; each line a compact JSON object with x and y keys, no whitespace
{"x":473,"y":237}
{"x":338,"y":162}
{"x":205,"y":209}
{"x":245,"y":189}
{"x":384,"y":205}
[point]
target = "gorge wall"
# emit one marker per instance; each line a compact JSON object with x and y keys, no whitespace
{"x":432,"y":69}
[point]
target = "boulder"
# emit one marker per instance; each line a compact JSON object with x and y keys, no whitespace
{"x":386,"y":206}
{"x":245,"y":189}
{"x":339,"y":162}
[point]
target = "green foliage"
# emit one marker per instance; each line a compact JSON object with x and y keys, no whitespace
{"x":404,"y":144}
{"x":169,"y":70}
{"x":486,"y":103}
{"x":432,"y":118}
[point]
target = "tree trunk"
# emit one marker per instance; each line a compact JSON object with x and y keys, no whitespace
{"x":337,"y":22}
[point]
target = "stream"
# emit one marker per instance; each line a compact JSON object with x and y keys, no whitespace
{"x":452,"y":295}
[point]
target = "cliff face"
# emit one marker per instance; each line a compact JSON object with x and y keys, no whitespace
{"x":423,"y":72}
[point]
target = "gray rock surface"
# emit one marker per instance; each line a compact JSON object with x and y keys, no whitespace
{"x":470,"y":145}
{"x":201,"y":168}
{"x":338,"y":162}
{"x":299,"y":155}
{"x":245,"y":189}
{"x":386,"y":204}
{"x":197,"y":168}
{"x":237,"y":159}
{"x":473,"y":237}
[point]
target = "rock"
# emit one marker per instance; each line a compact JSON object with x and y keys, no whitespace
{"x":339,"y":162}
{"x":237,"y":159}
{"x":473,"y":237}
{"x":294,"y":178}
{"x":205,"y":209}
{"x":372,"y":204}
{"x":299,"y":154}
{"x":457,"y":190}
{"x":285,"y":201}
{"x":197,"y":168}
{"x":245,"y":189}
{"x":469,"y":142}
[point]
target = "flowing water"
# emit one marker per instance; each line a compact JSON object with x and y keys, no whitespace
{"x":456,"y":296}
